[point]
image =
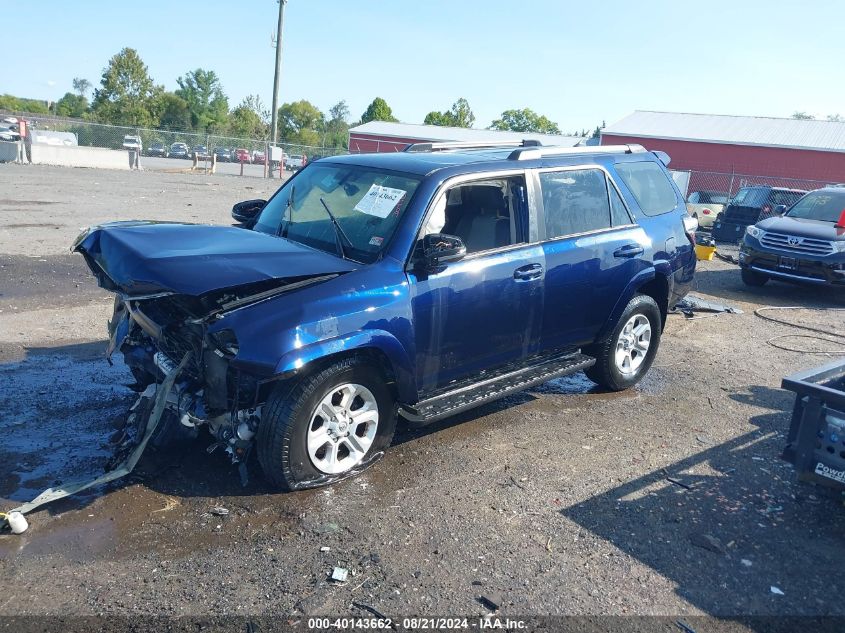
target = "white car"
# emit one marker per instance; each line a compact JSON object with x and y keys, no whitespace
{"x":132,"y":142}
{"x":294,"y":162}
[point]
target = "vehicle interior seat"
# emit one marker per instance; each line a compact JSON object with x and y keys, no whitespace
{"x":484,"y":221}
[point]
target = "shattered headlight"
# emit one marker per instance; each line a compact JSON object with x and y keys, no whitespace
{"x":225,"y":343}
{"x":80,"y":238}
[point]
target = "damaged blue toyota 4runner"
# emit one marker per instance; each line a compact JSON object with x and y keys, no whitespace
{"x":374,"y":289}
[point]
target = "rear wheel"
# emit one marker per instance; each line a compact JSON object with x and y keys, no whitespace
{"x":624,"y":357}
{"x":331,"y":425}
{"x":753,"y":278}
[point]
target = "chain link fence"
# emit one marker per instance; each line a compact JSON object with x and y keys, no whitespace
{"x":160,"y":143}
{"x":727,"y":184}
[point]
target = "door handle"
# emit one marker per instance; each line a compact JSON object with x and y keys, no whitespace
{"x":526,"y":273}
{"x":629,"y":250}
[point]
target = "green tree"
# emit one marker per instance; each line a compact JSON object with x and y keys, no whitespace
{"x":127,"y":95}
{"x":300,"y":122}
{"x":202,"y":91}
{"x":173,"y":112}
{"x":835,"y":117}
{"x":72,"y":105}
{"x":15,"y":104}
{"x":378,"y":110}
{"x":460,"y":115}
{"x":337,"y":128}
{"x":249,"y":119}
{"x":525,"y":120}
{"x":803,"y":116}
{"x":81,"y":86}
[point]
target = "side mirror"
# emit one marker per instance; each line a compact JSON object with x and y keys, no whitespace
{"x":780,"y":210}
{"x":439,"y":249}
{"x":246,"y":212}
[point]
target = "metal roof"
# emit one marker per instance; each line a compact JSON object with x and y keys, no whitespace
{"x":441,"y":133}
{"x":825,"y":136}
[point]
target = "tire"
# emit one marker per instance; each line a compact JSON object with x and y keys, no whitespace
{"x":753,"y":278}
{"x":610,"y":374}
{"x":292,"y":426}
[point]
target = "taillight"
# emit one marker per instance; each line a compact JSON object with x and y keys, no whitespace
{"x":690,"y":226}
{"x":706,"y":211}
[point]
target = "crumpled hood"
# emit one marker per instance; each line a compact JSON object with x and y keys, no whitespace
{"x":151,"y":257}
{"x":802,"y":227}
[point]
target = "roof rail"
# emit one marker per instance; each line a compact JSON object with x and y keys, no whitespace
{"x":532,"y":153}
{"x":447,"y":145}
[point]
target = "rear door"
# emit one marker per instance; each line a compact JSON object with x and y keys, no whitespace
{"x":592,"y":248}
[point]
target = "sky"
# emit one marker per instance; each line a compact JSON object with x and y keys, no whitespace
{"x":578,"y":63}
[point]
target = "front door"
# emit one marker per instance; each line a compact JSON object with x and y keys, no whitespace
{"x":481,"y":313}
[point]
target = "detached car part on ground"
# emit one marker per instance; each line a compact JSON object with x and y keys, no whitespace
{"x":805,"y":245}
{"x":416,"y":284}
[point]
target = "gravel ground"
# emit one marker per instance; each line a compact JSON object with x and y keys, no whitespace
{"x":554,"y":501}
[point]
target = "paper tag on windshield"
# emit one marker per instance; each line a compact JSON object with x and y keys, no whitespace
{"x":380,"y":201}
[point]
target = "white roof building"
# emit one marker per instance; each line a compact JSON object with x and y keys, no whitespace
{"x":825,"y":136}
{"x":387,"y":137}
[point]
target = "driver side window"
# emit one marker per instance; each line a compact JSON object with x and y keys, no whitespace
{"x":484,"y":214}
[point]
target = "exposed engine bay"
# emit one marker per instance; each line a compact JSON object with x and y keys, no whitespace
{"x":155,"y":333}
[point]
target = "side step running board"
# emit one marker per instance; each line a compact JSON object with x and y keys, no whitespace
{"x":452,"y":402}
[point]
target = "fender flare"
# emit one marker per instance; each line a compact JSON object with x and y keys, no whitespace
{"x":661,"y":268}
{"x":380,"y":341}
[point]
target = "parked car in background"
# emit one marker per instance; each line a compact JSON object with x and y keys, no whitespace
{"x":131,"y":141}
{"x":157,"y":149}
{"x":258,"y":157}
{"x":749,"y":206}
{"x":422,"y":283}
{"x":179,"y":150}
{"x":242,"y":155}
{"x":704,"y":206}
{"x":200,"y":152}
{"x":223,"y":155}
{"x":804,"y":244}
{"x":294,"y":162}
{"x":9,"y":132}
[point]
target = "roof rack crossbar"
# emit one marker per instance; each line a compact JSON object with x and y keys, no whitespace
{"x":532,"y":153}
{"x":447,"y":145}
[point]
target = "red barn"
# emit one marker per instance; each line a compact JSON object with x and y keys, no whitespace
{"x":753,"y":148}
{"x":382,"y":136}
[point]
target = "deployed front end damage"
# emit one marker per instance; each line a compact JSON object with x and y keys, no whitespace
{"x":157,"y":322}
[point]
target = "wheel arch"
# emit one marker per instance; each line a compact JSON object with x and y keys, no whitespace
{"x":381,"y":349}
{"x":654,"y":282}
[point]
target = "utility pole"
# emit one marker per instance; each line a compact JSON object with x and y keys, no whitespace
{"x":275,"y":115}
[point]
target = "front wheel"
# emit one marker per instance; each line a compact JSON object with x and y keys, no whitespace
{"x":332,"y":424}
{"x":624,"y":357}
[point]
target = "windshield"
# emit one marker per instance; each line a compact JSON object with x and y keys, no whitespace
{"x":367,"y":203}
{"x":822,"y":205}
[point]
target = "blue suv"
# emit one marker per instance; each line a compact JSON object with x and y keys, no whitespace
{"x":411,"y":286}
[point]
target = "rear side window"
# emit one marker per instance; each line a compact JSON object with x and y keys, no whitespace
{"x":618,"y":213}
{"x":750,"y":197}
{"x":785,"y":197}
{"x":574,"y":201}
{"x":649,"y":185}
